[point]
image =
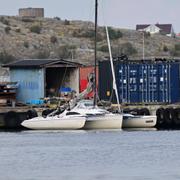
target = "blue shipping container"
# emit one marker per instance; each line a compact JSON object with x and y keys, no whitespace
{"x":151,"y":82}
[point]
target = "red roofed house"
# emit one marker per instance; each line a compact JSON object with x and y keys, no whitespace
{"x":165,"y":29}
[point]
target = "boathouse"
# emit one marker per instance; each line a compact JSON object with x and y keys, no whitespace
{"x":40,"y":78}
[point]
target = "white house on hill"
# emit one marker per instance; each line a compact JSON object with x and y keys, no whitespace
{"x":165,"y":29}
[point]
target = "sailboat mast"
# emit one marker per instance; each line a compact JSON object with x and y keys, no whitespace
{"x":112,"y":69}
{"x":95,"y":52}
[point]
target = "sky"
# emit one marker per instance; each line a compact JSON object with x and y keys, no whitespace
{"x":117,"y":13}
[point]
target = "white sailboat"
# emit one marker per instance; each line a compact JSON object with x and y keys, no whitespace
{"x":97,"y":118}
{"x":65,"y":121}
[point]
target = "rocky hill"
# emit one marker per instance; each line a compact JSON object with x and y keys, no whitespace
{"x":55,"y":38}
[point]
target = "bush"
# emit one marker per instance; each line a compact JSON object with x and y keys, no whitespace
{"x":4,"y":21}
{"x":57,"y":18}
{"x":177,"y":47}
{"x":42,"y":54}
{"x":176,"y":50}
{"x":26,"y":44}
{"x":126,"y":48}
{"x":53,"y":39}
{"x":165,"y":48}
{"x":35,"y":29}
{"x":66,"y":22}
{"x":18,"y":30}
{"x":114,"y":34}
{"x":103,"y":48}
{"x":7,"y":29}
{"x":129,"y":49}
{"x":6,"y":58}
{"x":90,"y":33}
{"x":147,"y":34}
{"x":66,"y":51}
{"x":27,"y":20}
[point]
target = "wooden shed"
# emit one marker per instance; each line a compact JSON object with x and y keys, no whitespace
{"x":39,"y":78}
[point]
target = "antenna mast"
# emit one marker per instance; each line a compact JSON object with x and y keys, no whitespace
{"x":95,"y":52}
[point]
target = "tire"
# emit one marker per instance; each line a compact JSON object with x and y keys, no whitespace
{"x":12,"y":120}
{"x":176,"y":119}
{"x":160,"y":117}
{"x":169,"y":116}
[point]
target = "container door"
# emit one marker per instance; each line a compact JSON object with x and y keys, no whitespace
{"x":174,"y":84}
{"x":105,"y":81}
{"x":122,"y":81}
{"x":133,"y":83}
{"x":152,"y":83}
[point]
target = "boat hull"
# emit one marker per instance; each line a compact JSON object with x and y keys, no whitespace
{"x":55,"y":123}
{"x":139,"y":122}
{"x":107,"y":121}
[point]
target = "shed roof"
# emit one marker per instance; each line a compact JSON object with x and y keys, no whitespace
{"x":42,"y":63}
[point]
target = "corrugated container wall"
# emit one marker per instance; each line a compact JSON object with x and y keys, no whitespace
{"x":157,"y":82}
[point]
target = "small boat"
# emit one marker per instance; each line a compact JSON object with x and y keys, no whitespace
{"x":136,"y":121}
{"x":65,"y":121}
{"x":97,"y":118}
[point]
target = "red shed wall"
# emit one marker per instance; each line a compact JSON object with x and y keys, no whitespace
{"x":83,"y":74}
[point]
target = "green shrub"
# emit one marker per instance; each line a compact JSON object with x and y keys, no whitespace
{"x":18,"y":30}
{"x":42,"y":54}
{"x":35,"y":29}
{"x":27,"y":20}
{"x":90,"y":33}
{"x":7,"y":29}
{"x":6,"y":58}
{"x":177,"y":47}
{"x":147,"y":34}
{"x":53,"y":39}
{"x":126,"y":48}
{"x":4,"y":21}
{"x":176,"y":50}
{"x":66,"y":22}
{"x":57,"y":18}
{"x":66,"y":51}
{"x":26,"y":44}
{"x":114,"y":34}
{"x":165,"y":48}
{"x":103,"y":48}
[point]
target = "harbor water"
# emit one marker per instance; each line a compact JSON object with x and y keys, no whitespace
{"x":90,"y":155}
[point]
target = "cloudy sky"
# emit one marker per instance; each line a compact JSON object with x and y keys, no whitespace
{"x":119,"y":13}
